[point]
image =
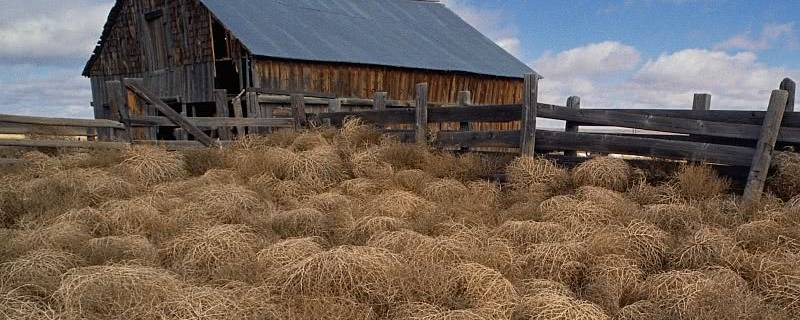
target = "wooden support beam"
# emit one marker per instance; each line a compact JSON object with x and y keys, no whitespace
{"x":17,"y":128}
{"x":765,"y":147}
{"x":421,"y":119}
{"x":62,"y":144}
{"x":214,"y":122}
{"x":298,"y":104}
{"x":791,"y":87}
{"x":379,"y":101}
{"x":623,"y":118}
{"x":221,"y":100}
{"x":529,"y":111}
{"x":573,"y":102}
{"x":701,"y":102}
{"x":60,"y":122}
{"x":174,"y":116}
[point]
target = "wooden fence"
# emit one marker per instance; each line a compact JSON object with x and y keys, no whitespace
{"x":736,"y":138}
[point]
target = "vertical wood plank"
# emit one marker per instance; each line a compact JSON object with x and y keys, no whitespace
{"x":238,"y":113}
{"x":119,"y":105}
{"x":573,"y":102}
{"x":298,"y":103}
{"x":334,"y":105}
{"x":765,"y":148}
{"x":379,"y":101}
{"x":221,"y":99}
{"x":253,"y":110}
{"x":464,"y":99}
{"x":529,"y":105}
{"x":421,"y":124}
{"x":701,"y":102}
{"x":180,"y":134}
{"x":791,"y":87}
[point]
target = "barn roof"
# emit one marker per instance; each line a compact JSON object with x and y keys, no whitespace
{"x":400,"y":33}
{"x":417,"y":34}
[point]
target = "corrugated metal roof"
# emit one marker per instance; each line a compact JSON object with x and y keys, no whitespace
{"x":399,"y":33}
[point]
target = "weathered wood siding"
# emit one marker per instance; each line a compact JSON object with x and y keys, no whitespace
{"x":362,"y":81}
{"x":184,"y":68}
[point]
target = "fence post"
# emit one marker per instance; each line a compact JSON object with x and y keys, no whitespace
{"x":118,"y":96}
{"x":701,"y":102}
{"x":529,"y":106}
{"x":464,"y":100}
{"x":298,"y":103}
{"x":791,"y":87}
{"x":765,"y":148}
{"x":238,"y":113}
{"x":379,"y":101}
{"x":221,"y":99}
{"x":421,"y":123}
{"x":573,"y":102}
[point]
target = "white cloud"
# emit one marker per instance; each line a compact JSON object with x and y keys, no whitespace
{"x":492,"y":23}
{"x":50,"y":32}
{"x":736,"y":81}
{"x":57,"y":92}
{"x":589,"y":60}
{"x":770,"y":35}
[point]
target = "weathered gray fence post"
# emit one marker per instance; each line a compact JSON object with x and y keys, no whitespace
{"x":421,"y":123}
{"x":298,"y":103}
{"x":765,"y":148}
{"x":253,"y":110}
{"x":573,"y":102}
{"x":238,"y":113}
{"x":701,"y":102}
{"x":334,"y":105}
{"x":379,"y":101}
{"x":529,"y":108}
{"x":791,"y":87}
{"x":464,"y":100}
{"x":221,"y":99}
{"x":117,"y":94}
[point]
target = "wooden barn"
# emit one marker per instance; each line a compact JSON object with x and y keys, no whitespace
{"x":186,"y":49}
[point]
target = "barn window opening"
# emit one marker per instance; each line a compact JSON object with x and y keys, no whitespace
{"x":227,"y":71}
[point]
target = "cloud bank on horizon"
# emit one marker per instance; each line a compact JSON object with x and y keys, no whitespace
{"x":44,"y":44}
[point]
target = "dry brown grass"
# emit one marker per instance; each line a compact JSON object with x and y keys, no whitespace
{"x":360,"y":273}
{"x":152,"y":165}
{"x":219,"y":252}
{"x":15,"y":305}
{"x":561,"y":262}
{"x":116,"y":292}
{"x":551,"y":306}
{"x":484,"y":288}
{"x":696,"y":182}
{"x":37,"y":272}
{"x":528,"y":173}
{"x":286,"y":253}
{"x":604,"y":172}
{"x":368,"y":226}
{"x":266,"y":230}
{"x":525,"y":233}
{"x":705,"y":248}
{"x":644,"y":243}
{"x":786,"y":178}
{"x":200,"y":161}
{"x":119,"y":249}
{"x":398,"y":204}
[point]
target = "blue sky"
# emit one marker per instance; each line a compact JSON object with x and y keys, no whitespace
{"x":614,"y":53}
